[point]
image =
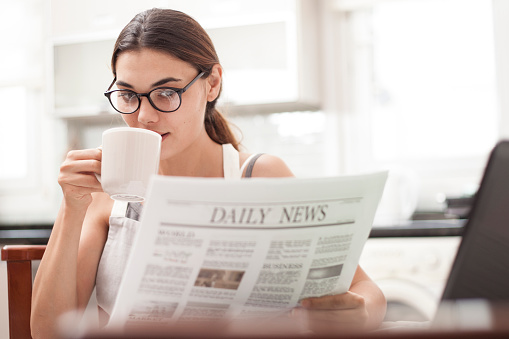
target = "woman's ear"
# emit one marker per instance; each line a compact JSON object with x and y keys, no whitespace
{"x":214,"y":82}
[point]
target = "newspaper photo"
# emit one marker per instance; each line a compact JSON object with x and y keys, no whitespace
{"x":209,"y":248}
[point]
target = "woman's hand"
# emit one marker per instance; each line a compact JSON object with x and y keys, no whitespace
{"x":333,"y":313}
{"x":77,"y":176}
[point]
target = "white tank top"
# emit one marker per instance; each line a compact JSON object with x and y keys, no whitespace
{"x":124,"y":222}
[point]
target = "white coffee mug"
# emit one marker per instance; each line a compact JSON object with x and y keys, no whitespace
{"x":130,"y":156}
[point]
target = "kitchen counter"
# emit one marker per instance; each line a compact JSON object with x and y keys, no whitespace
{"x":421,"y":228}
{"x":25,"y":234}
{"x":39,"y":234}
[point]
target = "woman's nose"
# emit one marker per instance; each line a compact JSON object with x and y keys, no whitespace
{"x":146,"y":113}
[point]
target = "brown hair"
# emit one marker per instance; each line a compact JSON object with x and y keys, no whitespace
{"x":180,"y":35}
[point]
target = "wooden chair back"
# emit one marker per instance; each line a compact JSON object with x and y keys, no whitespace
{"x":19,"y":284}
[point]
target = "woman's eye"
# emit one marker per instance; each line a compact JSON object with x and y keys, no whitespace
{"x":166,"y":93}
{"x":126,"y":96}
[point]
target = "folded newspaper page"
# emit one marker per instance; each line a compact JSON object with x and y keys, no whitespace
{"x":210,"y":248}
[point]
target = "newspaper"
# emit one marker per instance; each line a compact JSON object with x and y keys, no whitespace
{"x":210,"y":248}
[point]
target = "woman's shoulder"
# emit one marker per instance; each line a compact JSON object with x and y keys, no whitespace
{"x":267,"y":165}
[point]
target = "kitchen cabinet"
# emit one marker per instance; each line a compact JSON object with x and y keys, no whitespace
{"x":81,"y":74}
{"x":268,"y":51}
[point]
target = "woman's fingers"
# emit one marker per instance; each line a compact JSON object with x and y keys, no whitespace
{"x":77,"y":174}
{"x":79,"y":179}
{"x":333,"y":313}
{"x":334,"y":302}
{"x":81,"y":166}
{"x":85,"y":154}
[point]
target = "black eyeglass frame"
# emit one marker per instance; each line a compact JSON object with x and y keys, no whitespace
{"x":179,"y":92}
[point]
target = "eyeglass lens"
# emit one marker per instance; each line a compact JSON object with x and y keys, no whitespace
{"x":163,"y":99}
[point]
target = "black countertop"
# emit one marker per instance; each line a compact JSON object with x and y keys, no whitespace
{"x":25,"y":234}
{"x":421,"y":228}
{"x":39,"y":234}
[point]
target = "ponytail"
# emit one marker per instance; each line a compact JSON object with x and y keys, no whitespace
{"x":218,"y":128}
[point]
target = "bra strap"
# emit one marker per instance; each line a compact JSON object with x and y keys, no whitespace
{"x":250,"y":162}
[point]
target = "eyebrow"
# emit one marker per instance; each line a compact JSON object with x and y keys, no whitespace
{"x":155,"y":84}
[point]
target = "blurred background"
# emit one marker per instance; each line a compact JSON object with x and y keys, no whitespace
{"x":331,"y":86}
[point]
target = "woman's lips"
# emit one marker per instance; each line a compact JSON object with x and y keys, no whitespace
{"x":164,"y":135}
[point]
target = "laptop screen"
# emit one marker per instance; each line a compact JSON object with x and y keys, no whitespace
{"x":481,"y":266}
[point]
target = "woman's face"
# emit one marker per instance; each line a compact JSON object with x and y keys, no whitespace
{"x":144,"y":70}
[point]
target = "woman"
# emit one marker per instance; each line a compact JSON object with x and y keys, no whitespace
{"x":87,"y":248}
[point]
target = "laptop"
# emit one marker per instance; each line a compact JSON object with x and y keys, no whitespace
{"x":481,"y":267}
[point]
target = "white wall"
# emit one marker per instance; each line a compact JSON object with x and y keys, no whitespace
{"x":501,"y":31}
{"x":4,"y":307}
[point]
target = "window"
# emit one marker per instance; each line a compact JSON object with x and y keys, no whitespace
{"x":297,"y":137}
{"x":27,"y":151}
{"x":14,"y":133}
{"x":20,"y":90}
{"x":433,"y":80}
{"x":421,"y":90}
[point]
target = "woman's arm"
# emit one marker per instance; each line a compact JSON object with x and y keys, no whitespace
{"x":374,"y":299}
{"x":65,"y":277}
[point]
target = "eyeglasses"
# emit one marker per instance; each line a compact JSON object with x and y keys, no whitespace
{"x":163,"y":99}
